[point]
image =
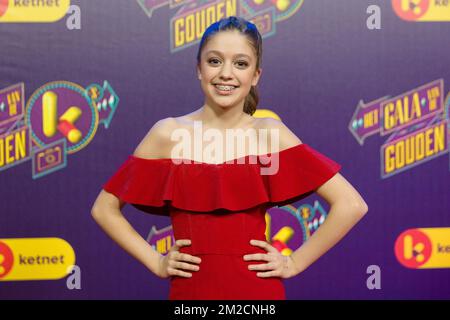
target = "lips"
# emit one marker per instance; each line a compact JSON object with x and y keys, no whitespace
{"x":224,"y":92}
{"x":225,"y":84}
{"x":222,"y":84}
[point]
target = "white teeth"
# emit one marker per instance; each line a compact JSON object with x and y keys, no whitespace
{"x":227,"y":88}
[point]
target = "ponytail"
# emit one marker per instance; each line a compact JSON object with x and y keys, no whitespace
{"x":251,"y":101}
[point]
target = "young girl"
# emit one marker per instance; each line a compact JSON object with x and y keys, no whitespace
{"x":217,"y":205}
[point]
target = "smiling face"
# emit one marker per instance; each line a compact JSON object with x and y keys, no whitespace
{"x":228,"y":59}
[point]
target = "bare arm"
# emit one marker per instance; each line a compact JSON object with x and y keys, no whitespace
{"x":106,"y":210}
{"x":107,"y":213}
{"x":347,"y":207}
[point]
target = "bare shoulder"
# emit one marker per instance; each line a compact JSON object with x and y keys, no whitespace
{"x":157,"y":140}
{"x":287,"y":138}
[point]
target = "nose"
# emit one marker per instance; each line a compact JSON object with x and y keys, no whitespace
{"x":226,"y":72}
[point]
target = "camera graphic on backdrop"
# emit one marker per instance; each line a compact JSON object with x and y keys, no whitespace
{"x":59,"y":119}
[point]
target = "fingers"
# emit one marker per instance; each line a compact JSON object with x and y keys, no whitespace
{"x":258,"y":256}
{"x":183,"y":265}
{"x":262,"y":266}
{"x":184,"y":256}
{"x":180,"y":243}
{"x":176,"y":260}
{"x":188,"y":258}
{"x":174,"y":272}
{"x":273,"y":267}
{"x":264,"y":245}
{"x":273,"y":273}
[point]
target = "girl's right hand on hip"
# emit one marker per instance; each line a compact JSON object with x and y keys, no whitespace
{"x":173,"y":263}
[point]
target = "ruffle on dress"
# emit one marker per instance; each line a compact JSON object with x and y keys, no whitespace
{"x":152,"y":185}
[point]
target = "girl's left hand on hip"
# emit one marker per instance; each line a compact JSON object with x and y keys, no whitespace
{"x":278,"y":265}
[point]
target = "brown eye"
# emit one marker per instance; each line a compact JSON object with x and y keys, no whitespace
{"x":212,"y":60}
{"x":242,"y":63}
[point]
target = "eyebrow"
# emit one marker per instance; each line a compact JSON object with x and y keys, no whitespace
{"x":237,"y":55}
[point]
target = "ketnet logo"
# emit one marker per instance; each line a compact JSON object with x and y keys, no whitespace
{"x":413,"y":248}
{"x":3,"y":6}
{"x":6,"y":259}
{"x":410,"y":9}
{"x":29,"y":11}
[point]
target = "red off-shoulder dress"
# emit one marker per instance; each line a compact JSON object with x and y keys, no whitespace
{"x":221,"y":207}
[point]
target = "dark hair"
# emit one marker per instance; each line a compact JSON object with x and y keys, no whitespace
{"x":247,"y":29}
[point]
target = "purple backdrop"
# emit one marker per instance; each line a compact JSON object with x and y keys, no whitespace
{"x":319,"y":62}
